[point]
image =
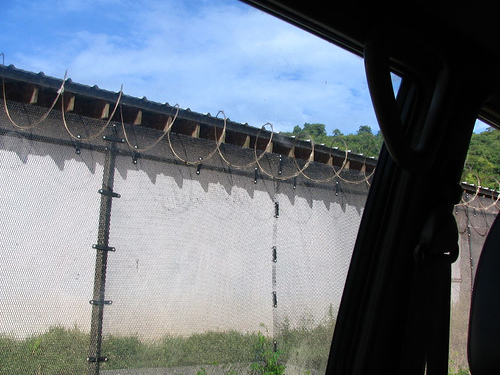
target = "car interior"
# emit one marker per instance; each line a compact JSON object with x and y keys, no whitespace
{"x":395,"y":308}
{"x":394,"y":315}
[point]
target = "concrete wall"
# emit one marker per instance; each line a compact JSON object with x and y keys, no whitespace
{"x":194,"y":251}
{"x":48,"y":210}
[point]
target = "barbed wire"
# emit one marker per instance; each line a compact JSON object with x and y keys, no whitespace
{"x":167,"y":132}
{"x":257,"y":158}
{"x":476,"y":196}
{"x":168,"y":127}
{"x":301,"y":170}
{"x":44,"y":116}
{"x":335,"y":173}
{"x":279,"y":176}
{"x":494,"y":204}
{"x":78,"y":137}
{"x":200,"y":158}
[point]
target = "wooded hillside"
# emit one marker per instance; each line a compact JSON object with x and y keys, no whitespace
{"x":482,"y":166}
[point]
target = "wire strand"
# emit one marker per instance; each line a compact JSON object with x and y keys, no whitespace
{"x":257,"y":160}
{"x":101,"y":130}
{"x":167,"y":129}
{"x":201,"y":158}
{"x":44,"y":116}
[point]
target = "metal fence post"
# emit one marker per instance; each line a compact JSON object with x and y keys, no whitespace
{"x":102,"y":247}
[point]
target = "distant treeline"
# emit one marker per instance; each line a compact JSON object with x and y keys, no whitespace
{"x":481,"y":167}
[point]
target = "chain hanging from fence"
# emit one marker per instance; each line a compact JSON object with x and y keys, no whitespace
{"x":475,"y":227}
{"x":44,"y":116}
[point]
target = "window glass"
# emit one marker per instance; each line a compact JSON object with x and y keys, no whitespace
{"x":475,"y":215}
{"x":227,"y":242}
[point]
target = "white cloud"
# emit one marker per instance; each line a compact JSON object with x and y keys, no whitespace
{"x":206,"y":57}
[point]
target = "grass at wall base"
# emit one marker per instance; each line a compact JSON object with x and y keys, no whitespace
{"x":63,"y":351}
{"x":269,"y":363}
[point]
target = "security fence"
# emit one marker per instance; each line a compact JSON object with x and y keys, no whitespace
{"x":475,"y":216}
{"x":134,"y":249}
{"x":160,"y":262}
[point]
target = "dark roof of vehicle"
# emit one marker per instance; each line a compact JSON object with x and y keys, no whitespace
{"x":417,"y":33}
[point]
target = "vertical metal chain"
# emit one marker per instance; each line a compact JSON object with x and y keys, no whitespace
{"x":274,"y":259}
{"x":469,"y":240}
{"x":98,"y":302}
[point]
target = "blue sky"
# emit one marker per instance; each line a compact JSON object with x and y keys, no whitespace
{"x":207,"y":55}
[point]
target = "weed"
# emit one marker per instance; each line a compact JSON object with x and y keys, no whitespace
{"x":460,"y":371}
{"x":269,"y":364}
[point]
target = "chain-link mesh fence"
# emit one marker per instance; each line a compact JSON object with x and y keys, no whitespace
{"x":475,"y":216}
{"x":196,"y":256}
{"x":199,"y":263}
{"x":48,"y":208}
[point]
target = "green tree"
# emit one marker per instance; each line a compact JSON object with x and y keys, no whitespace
{"x":363,"y":142}
{"x":364,"y":129}
{"x":483,"y":160}
{"x":314,"y":130}
{"x":337,"y":133}
{"x":482,"y":165}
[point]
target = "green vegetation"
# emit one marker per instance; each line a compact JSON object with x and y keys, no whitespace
{"x":483,"y":161}
{"x":460,"y":371}
{"x":363,"y":142}
{"x":64,"y":351}
{"x":269,"y":363}
{"x":58,"y":351}
{"x":308,"y":345}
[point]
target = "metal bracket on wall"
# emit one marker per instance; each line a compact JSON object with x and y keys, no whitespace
{"x":109,"y":193}
{"x":98,"y":359}
{"x":111,"y":138}
{"x":100,"y":303}
{"x":135,"y":157}
{"x":198,"y":168}
{"x":103,"y":248}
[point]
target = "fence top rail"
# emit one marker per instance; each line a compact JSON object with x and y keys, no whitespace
{"x":91,"y":101}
